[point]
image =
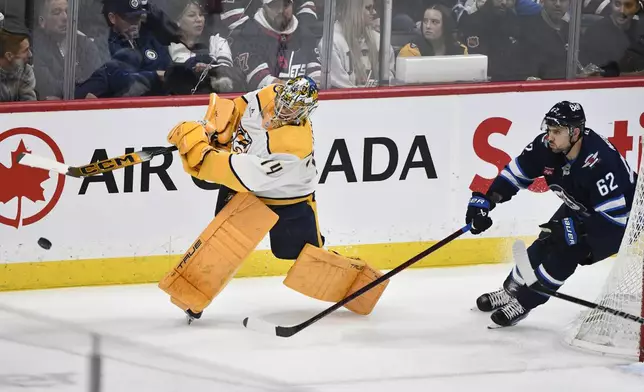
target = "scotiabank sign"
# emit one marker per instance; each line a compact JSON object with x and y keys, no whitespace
{"x":621,"y":138}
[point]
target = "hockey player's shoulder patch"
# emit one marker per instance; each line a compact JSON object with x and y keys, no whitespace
{"x":591,"y":160}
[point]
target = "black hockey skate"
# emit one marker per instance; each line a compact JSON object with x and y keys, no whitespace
{"x":492,"y":301}
{"x":509,"y":314}
{"x":192,"y":316}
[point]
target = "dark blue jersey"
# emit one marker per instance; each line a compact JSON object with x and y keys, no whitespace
{"x":598,"y":186}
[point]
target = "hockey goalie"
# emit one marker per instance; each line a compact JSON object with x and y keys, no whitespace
{"x":259,"y":148}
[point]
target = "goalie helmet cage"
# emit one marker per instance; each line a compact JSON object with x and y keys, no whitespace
{"x":604,"y":333}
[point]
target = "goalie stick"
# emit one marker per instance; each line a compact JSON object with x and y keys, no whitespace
{"x":285,"y":332}
{"x":527,"y":273}
{"x":92,"y":169}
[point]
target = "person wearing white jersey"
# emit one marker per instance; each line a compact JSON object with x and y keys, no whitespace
{"x":259,"y":148}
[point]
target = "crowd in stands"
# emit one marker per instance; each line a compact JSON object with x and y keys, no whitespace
{"x":132,"y":48}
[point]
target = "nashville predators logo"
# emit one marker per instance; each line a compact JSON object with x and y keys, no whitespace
{"x":241,"y":141}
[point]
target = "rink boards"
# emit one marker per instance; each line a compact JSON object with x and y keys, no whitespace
{"x":395,"y":175}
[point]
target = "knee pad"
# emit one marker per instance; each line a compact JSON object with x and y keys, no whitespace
{"x":330,"y":277}
{"x":214,"y":258}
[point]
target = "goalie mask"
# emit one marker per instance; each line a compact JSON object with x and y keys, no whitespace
{"x":296,"y":100}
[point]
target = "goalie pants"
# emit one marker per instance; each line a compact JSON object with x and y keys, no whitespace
{"x":296,"y":227}
{"x":552,"y":265}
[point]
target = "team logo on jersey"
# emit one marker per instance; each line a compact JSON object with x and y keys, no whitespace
{"x":567,"y":199}
{"x":151,"y":54}
{"x":241,"y":141}
{"x":473,"y":41}
{"x":591,"y":160}
{"x":566,"y":169}
{"x":134,"y":4}
{"x":548,"y":171}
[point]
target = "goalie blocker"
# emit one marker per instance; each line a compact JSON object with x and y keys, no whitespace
{"x":214,"y":258}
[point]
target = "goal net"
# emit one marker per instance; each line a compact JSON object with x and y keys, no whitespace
{"x":602,"y":332}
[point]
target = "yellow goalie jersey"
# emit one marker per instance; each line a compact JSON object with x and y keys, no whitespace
{"x":271,"y":160}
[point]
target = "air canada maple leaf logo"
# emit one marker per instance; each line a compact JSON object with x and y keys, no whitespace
{"x":24,"y":183}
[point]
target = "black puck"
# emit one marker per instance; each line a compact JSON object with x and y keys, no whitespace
{"x":44,"y":243}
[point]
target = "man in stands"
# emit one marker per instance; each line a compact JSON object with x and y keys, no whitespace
{"x":616,"y":40}
{"x":274,"y":47}
{"x":139,"y":56}
{"x":50,"y":50}
{"x":546,"y":42}
{"x":17,"y":81}
{"x":495,"y":31}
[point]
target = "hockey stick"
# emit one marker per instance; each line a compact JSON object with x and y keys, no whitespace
{"x":527,"y":273}
{"x":92,"y":169}
{"x":285,"y":332}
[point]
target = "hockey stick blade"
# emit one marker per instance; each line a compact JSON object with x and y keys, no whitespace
{"x":27,"y":159}
{"x":520,"y":254}
{"x":92,"y":169}
{"x":285,"y":332}
{"x":527,"y":273}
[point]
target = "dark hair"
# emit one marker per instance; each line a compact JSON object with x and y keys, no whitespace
{"x":175,"y":8}
{"x":449,"y":24}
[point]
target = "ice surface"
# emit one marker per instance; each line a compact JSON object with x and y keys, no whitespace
{"x":422,"y":336}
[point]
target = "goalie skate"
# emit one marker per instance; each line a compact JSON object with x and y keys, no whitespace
{"x":191,"y":316}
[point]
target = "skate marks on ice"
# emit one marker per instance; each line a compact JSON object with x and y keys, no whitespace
{"x":42,"y":353}
{"x":420,"y":335}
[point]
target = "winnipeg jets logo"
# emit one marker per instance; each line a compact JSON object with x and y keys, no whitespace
{"x":567,"y":199}
{"x":591,"y":160}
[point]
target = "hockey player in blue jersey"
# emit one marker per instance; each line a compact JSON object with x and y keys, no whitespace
{"x":597,"y":188}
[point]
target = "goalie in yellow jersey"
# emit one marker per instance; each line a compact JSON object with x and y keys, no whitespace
{"x":259,"y":148}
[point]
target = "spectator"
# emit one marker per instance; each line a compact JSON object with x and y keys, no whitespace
{"x":438,"y":35}
{"x":50,"y":50}
{"x":196,"y":53}
{"x":139,"y":59}
{"x":355,"y":57}
{"x":546,"y":44}
{"x":273,"y":47}
{"x":191,"y":21}
{"x":495,"y":31}
{"x":615,"y":39}
{"x":17,"y":80}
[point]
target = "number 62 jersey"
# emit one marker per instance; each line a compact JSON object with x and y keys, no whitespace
{"x":598,"y":186}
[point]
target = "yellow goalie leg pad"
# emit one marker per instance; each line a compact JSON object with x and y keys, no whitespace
{"x":214,"y":258}
{"x":322,"y":275}
{"x":365,"y":303}
{"x":328,"y":276}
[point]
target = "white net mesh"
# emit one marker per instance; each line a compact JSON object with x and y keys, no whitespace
{"x":603,"y":332}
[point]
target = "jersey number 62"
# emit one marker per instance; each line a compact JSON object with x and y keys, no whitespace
{"x":606,"y":184}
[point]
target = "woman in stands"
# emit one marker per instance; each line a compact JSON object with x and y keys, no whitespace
{"x":438,"y":35}
{"x":197,"y":52}
{"x":355,"y":58}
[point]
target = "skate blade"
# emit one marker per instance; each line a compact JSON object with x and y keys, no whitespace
{"x":497,"y":326}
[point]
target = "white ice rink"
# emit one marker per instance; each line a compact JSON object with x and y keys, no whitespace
{"x":422,"y":336}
